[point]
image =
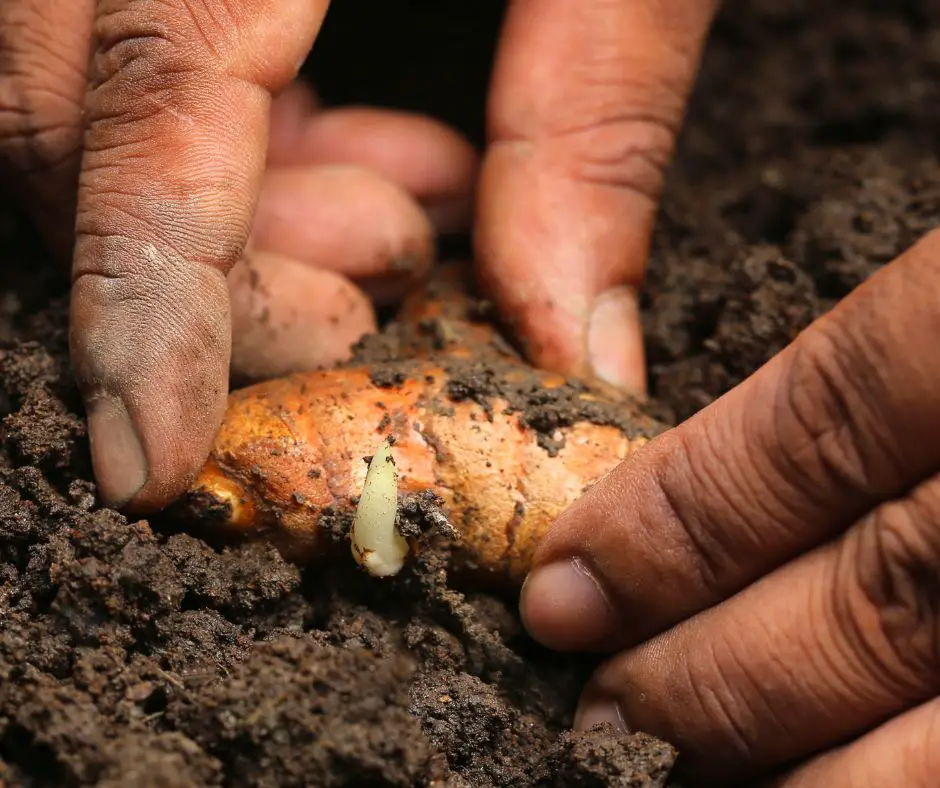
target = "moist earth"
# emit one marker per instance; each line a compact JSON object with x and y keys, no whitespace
{"x":132,"y":653}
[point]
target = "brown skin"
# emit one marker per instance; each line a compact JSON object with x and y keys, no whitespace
{"x":587,"y":96}
{"x":187,"y":180}
{"x":163,"y":157}
{"x":769,"y":569}
{"x":586,"y":101}
{"x":291,"y":448}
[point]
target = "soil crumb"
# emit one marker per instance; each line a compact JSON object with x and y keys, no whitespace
{"x":132,"y":653}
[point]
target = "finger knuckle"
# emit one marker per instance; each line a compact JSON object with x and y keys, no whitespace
{"x":610,"y":122}
{"x":681,"y":482}
{"x":156,"y":47}
{"x":895,"y":620}
{"x":629,"y":152}
{"x":138,"y":53}
{"x":30,"y":140}
{"x":40,"y":117}
{"x":714,"y":679}
{"x":824,"y":419}
{"x":154,"y":228}
{"x":629,"y":135}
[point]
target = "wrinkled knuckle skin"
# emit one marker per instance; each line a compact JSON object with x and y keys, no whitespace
{"x":153,"y":47}
{"x":149,"y":234}
{"x":150,"y":58}
{"x":138,"y":55}
{"x":823,"y":421}
{"x":40,"y":122}
{"x":629,"y":152}
{"x":897,"y":569}
{"x":629,"y":140}
{"x":32,"y":140}
{"x":158,"y":83}
{"x":676,"y":498}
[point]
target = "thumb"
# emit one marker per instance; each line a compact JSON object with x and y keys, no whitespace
{"x":176,"y":129}
{"x":586,"y":101}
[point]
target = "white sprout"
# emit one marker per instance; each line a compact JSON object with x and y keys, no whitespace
{"x":376,"y":543}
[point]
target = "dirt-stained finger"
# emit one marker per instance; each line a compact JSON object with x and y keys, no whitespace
{"x":587,"y":98}
{"x":176,"y":118}
{"x":347,"y":219}
{"x":839,"y":422}
{"x":44,"y":46}
{"x":290,"y":317}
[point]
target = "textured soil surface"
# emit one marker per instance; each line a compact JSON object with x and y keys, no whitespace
{"x":135,"y":654}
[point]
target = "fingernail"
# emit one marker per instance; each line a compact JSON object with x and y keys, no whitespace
{"x":117,"y":455}
{"x":598,"y":711}
{"x":615,"y":340}
{"x":564,"y":607}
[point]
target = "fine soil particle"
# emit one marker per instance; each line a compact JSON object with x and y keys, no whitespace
{"x":132,"y":653}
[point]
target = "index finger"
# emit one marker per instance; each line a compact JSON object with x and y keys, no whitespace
{"x":842,"y":420}
{"x":176,"y":119}
{"x":586,"y":101}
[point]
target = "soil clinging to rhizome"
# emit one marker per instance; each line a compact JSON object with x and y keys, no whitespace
{"x":130,"y":656}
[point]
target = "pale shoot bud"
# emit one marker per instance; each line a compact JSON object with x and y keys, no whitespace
{"x":376,"y":544}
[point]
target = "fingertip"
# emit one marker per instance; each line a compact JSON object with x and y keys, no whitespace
{"x":562,"y":261}
{"x":153,"y":370}
{"x":565,"y":608}
{"x":165,"y":441}
{"x":143,"y":458}
{"x":118,"y":458}
{"x":596,"y":710}
{"x":289,"y":317}
{"x":349,"y":220}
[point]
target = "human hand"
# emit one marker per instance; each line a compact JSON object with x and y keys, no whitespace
{"x":167,"y":139}
{"x":586,"y":101}
{"x":769,"y":570}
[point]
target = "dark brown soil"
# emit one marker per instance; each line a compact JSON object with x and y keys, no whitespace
{"x":133,"y":654}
